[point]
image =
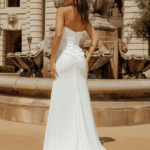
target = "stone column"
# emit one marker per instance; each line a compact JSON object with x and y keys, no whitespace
{"x":2,"y":46}
{"x":2,"y":4}
{"x":36,"y":23}
{"x":23,"y":4}
{"x":50,"y":16}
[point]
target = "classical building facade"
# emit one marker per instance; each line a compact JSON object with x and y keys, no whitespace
{"x":23,"y":17}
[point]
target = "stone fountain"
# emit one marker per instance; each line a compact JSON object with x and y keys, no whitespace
{"x":132,"y":66}
{"x":106,"y":60}
{"x":105,"y":53}
{"x":101,"y":64}
{"x":31,"y":64}
{"x":114,"y":102}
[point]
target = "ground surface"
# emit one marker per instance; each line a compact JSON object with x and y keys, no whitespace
{"x":22,"y":136}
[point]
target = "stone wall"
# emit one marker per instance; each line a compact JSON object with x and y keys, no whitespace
{"x":2,"y":4}
{"x":36,"y":16}
{"x":50,"y":16}
{"x":31,"y":20}
{"x":135,"y":46}
{"x":2,"y":47}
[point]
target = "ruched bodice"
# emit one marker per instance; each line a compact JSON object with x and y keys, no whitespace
{"x":70,"y":42}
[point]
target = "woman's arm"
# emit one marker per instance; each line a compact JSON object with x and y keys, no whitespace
{"x":94,"y":40}
{"x":56,"y":41}
{"x":58,"y":33}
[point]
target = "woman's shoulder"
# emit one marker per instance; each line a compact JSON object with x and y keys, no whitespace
{"x":64,"y":9}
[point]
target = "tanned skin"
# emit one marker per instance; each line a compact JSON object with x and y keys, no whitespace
{"x":70,"y":18}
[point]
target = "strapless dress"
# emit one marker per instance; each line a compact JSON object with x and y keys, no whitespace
{"x":70,"y":122}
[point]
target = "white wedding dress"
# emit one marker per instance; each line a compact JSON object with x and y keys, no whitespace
{"x":70,"y":123}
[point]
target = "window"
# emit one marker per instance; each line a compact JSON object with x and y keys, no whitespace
{"x":13,"y":3}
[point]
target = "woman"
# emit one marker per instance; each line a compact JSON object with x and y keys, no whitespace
{"x":71,"y":124}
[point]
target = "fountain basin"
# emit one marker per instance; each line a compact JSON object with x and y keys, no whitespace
{"x":114,"y":102}
{"x":110,"y":113}
{"x":41,"y":87}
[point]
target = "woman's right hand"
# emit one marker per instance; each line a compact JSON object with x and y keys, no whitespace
{"x":53,"y":71}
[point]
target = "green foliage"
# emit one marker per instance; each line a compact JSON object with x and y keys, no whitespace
{"x":141,"y":26}
{"x":7,"y":69}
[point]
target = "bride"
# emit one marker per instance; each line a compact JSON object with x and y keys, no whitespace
{"x":70,"y":123}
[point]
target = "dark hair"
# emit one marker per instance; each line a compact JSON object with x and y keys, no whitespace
{"x":83,"y":9}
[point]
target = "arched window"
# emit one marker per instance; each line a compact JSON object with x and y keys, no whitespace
{"x":13,"y":3}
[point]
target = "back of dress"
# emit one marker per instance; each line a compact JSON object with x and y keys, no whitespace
{"x":70,"y":42}
{"x":70,"y":123}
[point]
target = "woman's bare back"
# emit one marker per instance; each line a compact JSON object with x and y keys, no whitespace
{"x":73,"y":19}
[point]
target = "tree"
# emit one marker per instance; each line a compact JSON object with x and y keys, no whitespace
{"x":141,"y":25}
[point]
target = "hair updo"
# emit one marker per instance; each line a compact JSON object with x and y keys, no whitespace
{"x":83,"y":9}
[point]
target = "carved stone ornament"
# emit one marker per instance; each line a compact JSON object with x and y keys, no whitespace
{"x":98,"y":10}
{"x":31,"y":64}
{"x":12,"y":18}
{"x":60,"y":3}
{"x":97,"y":5}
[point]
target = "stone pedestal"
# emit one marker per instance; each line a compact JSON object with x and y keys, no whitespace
{"x":106,"y":114}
